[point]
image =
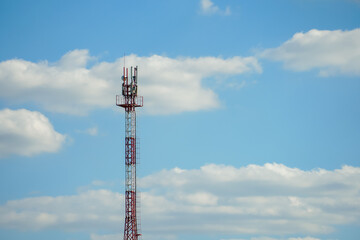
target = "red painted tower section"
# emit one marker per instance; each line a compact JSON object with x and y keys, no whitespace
{"x":129,"y":100}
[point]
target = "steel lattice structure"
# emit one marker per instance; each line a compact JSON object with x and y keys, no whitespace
{"x":130,"y":101}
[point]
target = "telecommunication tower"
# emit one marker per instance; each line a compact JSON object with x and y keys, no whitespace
{"x":129,"y":100}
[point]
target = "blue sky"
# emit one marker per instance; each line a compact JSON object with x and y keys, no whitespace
{"x":249,"y":130}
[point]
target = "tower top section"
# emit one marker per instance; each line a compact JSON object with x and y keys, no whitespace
{"x":129,"y":98}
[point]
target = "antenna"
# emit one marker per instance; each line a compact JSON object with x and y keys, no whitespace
{"x":124,"y":60}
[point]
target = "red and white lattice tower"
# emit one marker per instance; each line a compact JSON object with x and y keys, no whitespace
{"x":130,"y":101}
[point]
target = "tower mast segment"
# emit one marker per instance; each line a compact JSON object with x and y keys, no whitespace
{"x":129,"y":100}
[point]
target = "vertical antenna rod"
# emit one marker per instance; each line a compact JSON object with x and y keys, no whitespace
{"x":129,"y":100}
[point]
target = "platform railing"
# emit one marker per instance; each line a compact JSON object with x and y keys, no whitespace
{"x":121,"y":101}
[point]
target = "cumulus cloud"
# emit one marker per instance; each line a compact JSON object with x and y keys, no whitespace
{"x":280,"y":199}
{"x":169,"y":85}
{"x":87,"y":211}
{"x":26,"y":133}
{"x":270,"y":200}
{"x":209,"y":8}
{"x":329,"y":52}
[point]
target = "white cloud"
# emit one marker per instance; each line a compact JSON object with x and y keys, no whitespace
{"x":209,"y":8}
{"x":66,"y":87}
{"x":93,"y":131}
{"x":306,"y":238}
{"x":23,"y":132}
{"x":329,"y":52}
{"x":75,"y":59}
{"x":87,"y":211}
{"x":169,"y":85}
{"x":106,"y":237}
{"x":271,"y":200}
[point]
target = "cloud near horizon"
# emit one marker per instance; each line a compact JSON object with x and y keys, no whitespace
{"x":169,"y":85}
{"x":268,"y":200}
{"x":329,"y":52}
{"x":27,"y":133}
